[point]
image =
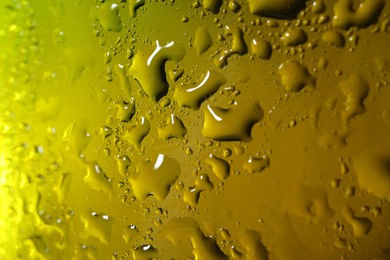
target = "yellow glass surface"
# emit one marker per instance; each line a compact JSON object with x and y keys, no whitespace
{"x":205,"y":129}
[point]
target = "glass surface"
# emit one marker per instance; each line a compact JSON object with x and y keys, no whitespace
{"x":173,"y":129}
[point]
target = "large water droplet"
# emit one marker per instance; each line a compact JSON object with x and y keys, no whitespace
{"x":219,"y":166}
{"x":367,"y":13}
{"x":295,"y":76}
{"x":192,"y":96}
{"x":202,"y":41}
{"x":231,"y":124}
{"x":138,"y":132}
{"x":155,"y":177}
{"x":284,"y":9}
{"x":148,"y":67}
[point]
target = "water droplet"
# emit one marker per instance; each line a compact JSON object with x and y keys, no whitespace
{"x":137,"y":133}
{"x":96,"y":226}
{"x":145,"y":252}
{"x":295,"y":76}
{"x":255,"y":164}
{"x":174,"y":128}
{"x":108,"y":15}
{"x":164,"y":102}
{"x":333,"y":38}
{"x":192,"y":194}
{"x":335,"y":183}
{"x":77,"y":136}
{"x":134,"y":5}
{"x":192,"y":96}
{"x":227,"y":153}
{"x":212,"y":5}
{"x":97,"y":179}
{"x":155,"y":177}
{"x":318,"y":6}
{"x":178,"y":230}
{"x":148,"y":67}
{"x":219,"y":166}
{"x":284,"y":9}
{"x":373,"y":172}
{"x":366,"y":14}
{"x":355,"y":89}
{"x":231,"y":124}
{"x":123,"y":164}
{"x":294,"y":37}
{"x":261,"y":48}
{"x":361,"y":226}
{"x":106,"y":131}
{"x":202,"y":41}
{"x":234,"y":6}
{"x":123,"y":78}
{"x":175,"y":74}
{"x":254,"y":247}
{"x":125,"y":110}
{"x":238,"y":45}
